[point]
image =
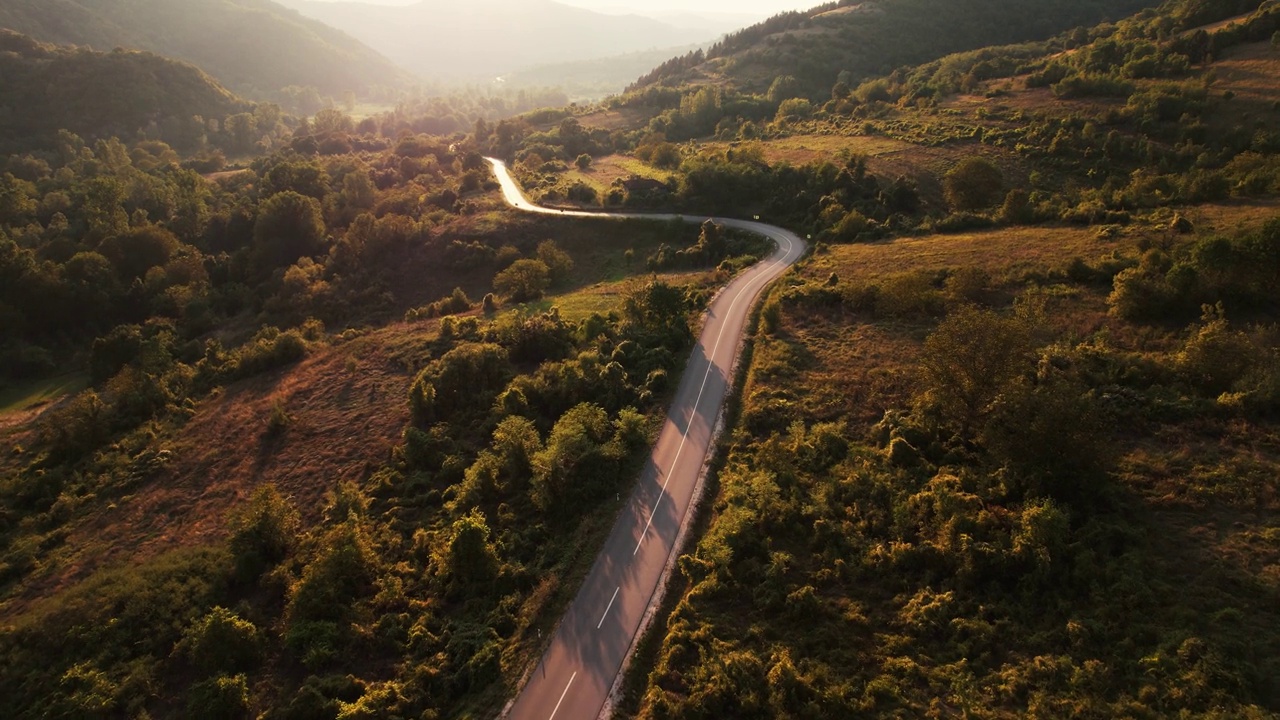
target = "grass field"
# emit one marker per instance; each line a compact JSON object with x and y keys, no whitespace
{"x":24,"y":398}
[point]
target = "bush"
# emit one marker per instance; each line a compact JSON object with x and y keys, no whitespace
{"x":222,"y":642}
{"x":974,"y":184}
{"x":263,"y":533}
{"x":525,"y":280}
{"x":219,"y":698}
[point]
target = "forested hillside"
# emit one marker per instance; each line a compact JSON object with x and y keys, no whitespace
{"x":255,"y":47}
{"x":346,"y":424}
{"x":851,"y":40}
{"x":44,"y":89}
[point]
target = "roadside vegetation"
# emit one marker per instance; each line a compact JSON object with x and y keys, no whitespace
{"x":340,"y":451}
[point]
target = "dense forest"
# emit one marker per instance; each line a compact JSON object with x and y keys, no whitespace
{"x":333,"y":433}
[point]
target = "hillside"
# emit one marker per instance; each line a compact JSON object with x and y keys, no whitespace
{"x":851,"y":40}
{"x":255,"y":47}
{"x":443,"y":40}
{"x":335,"y":434}
{"x":45,"y":88}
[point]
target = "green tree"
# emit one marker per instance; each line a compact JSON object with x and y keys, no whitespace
{"x":470,"y":556}
{"x":17,"y":200}
{"x":1215,"y":357}
{"x":968,"y":361}
{"x":139,"y":249}
{"x":304,"y":177}
{"x":332,"y":121}
{"x":467,"y":377}
{"x":559,"y":263}
{"x":784,"y":87}
{"x":243,"y":128}
{"x":570,"y":462}
{"x":974,"y":184}
{"x":358,"y":190}
{"x":263,"y":533}
{"x":219,"y":698}
{"x":524,"y":280}
{"x":222,"y":641}
{"x":289,"y":226}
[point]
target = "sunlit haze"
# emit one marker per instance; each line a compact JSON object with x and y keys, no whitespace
{"x":758,"y":7}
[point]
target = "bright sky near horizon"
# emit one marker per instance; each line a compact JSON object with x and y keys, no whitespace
{"x":761,"y":7}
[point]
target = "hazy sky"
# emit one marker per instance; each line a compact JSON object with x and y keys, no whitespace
{"x":763,"y":7}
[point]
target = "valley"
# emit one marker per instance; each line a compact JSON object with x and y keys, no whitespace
{"x":926,"y":364}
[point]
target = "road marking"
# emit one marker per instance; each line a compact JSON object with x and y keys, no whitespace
{"x":566,"y":692}
{"x":606,"y":609}
{"x":710,"y":363}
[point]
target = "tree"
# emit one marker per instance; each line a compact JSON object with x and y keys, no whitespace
{"x":304,"y":177}
{"x":467,"y":377}
{"x":470,"y":557}
{"x":974,"y":184}
{"x":583,"y":162}
{"x":570,"y":458}
{"x":1216,"y":356}
{"x":524,"y":280}
{"x":784,"y":87}
{"x":138,"y":250}
{"x":263,"y":533}
{"x":969,"y":360}
{"x":358,"y":190}
{"x":332,"y":121}
{"x":558,"y":262}
{"x":244,"y":131}
{"x":222,"y":641}
{"x":289,"y":226}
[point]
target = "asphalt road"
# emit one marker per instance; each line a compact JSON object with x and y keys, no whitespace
{"x":574,"y":677}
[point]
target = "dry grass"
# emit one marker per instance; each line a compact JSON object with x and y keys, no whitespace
{"x":620,"y":119}
{"x":348,"y":408}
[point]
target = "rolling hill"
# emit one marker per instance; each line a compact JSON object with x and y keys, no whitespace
{"x":44,"y":88}
{"x":254,"y":47}
{"x":854,"y":40}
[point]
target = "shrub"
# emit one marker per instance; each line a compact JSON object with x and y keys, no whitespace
{"x":973,"y":184}
{"x":221,"y":641}
{"x":525,"y":280}
{"x":263,"y":533}
{"x":219,"y":698}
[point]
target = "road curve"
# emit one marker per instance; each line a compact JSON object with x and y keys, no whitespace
{"x":576,"y":672}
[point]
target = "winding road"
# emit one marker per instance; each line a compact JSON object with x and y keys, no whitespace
{"x":577,"y":671}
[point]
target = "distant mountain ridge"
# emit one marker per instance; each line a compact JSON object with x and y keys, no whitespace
{"x":854,"y":40}
{"x":445,"y":40}
{"x":45,"y":88}
{"x":254,"y":47}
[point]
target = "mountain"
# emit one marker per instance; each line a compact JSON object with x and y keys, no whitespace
{"x":593,"y":79}
{"x":45,"y":88}
{"x":448,"y":41}
{"x":855,"y":40}
{"x":254,"y":47}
